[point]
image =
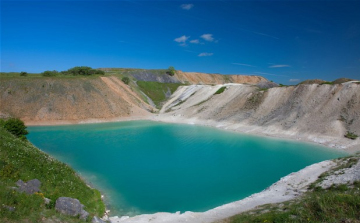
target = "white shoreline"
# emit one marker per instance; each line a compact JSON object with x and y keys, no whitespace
{"x":287,"y":188}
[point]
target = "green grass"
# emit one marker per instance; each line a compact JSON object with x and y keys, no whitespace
{"x":16,"y":76}
{"x":156,"y":91}
{"x":351,"y":135}
{"x":339,"y":203}
{"x":327,"y":82}
{"x":335,"y":204}
{"x":19,"y":159}
{"x":221,"y":90}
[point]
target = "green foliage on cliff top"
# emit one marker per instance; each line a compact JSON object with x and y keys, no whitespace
{"x":19,"y":159}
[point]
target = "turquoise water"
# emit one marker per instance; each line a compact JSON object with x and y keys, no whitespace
{"x":147,"y":167}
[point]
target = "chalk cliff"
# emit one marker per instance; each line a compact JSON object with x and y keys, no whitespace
{"x":311,"y":112}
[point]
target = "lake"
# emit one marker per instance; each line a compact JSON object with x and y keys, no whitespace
{"x":146,"y":167}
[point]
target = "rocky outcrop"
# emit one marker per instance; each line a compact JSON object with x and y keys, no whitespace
{"x":97,"y":220}
{"x":29,"y":187}
{"x":71,"y":206}
{"x":347,"y":175}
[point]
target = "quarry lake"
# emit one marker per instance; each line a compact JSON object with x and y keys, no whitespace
{"x":147,"y":167}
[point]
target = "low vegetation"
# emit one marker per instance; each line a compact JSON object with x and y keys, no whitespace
{"x":23,"y":73}
{"x":158,"y":92}
{"x":327,"y":82}
{"x":221,"y":90}
{"x":351,"y":135}
{"x":15,"y":126}
{"x":75,"y":71}
{"x":19,"y":159}
{"x":171,"y":71}
{"x":126,"y":80}
{"x":338,"y":203}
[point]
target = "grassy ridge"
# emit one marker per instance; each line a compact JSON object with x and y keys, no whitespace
{"x":156,"y":91}
{"x":19,"y":159}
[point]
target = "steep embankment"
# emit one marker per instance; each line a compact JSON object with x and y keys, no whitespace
{"x":64,"y":100}
{"x":317,"y":113}
{"x":20,"y":160}
{"x":57,"y":100}
{"x":183,"y":77}
{"x":204,"y":78}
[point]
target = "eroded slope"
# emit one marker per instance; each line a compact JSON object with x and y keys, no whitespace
{"x":41,"y":100}
{"x":320,"y":113}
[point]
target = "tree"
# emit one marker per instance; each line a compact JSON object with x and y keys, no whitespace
{"x":171,"y":71}
{"x":23,"y":73}
{"x":16,"y":127}
{"x":126,"y":80}
{"x":84,"y":70}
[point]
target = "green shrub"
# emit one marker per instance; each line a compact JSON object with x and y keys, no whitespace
{"x":221,"y":90}
{"x":171,"y":71}
{"x":23,"y":73}
{"x":16,"y":127}
{"x":126,"y":80}
{"x":49,"y":73}
{"x":84,"y":70}
{"x":327,"y":82}
{"x":351,"y":135}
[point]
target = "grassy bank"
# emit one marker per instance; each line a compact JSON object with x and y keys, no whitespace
{"x":339,"y":203}
{"x":19,"y":159}
{"x":157,"y":91}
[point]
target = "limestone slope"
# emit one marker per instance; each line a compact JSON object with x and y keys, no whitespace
{"x":67,"y":100}
{"x":318,"y":113}
{"x":204,"y":78}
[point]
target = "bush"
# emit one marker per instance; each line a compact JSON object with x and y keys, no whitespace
{"x":49,"y":73}
{"x":23,"y":73}
{"x":126,"y":80}
{"x":171,"y":71}
{"x":221,"y":90}
{"x":84,"y":70}
{"x":16,"y":127}
{"x":351,"y":135}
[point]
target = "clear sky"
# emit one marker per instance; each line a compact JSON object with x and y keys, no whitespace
{"x":284,"y":41}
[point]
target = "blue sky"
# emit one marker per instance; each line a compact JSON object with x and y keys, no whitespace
{"x":284,"y":41}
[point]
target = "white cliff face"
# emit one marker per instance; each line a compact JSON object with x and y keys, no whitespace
{"x":316,"y":113}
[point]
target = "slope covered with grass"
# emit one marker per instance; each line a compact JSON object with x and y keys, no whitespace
{"x":19,"y":159}
{"x":158,"y":92}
